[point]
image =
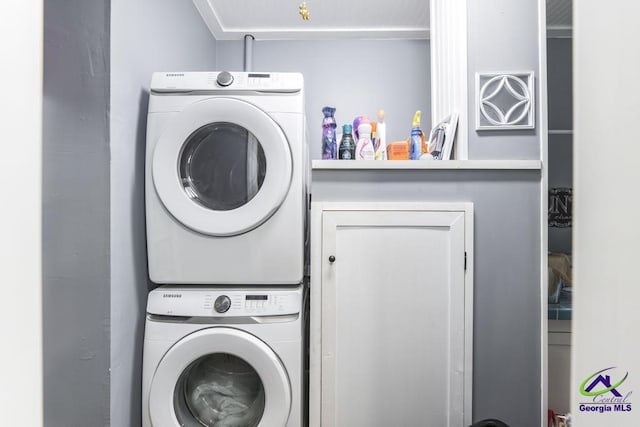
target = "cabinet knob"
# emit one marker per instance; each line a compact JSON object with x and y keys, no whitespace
{"x":332,"y":258}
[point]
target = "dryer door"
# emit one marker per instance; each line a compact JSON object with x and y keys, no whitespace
{"x":220,"y":377}
{"x":222,"y":166}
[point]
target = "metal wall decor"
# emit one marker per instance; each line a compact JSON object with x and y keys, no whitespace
{"x":505,"y":101}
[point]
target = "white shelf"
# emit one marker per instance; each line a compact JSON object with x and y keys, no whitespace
{"x":425,"y":164}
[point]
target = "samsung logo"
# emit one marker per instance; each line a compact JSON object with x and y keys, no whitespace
{"x":175,"y":74}
{"x":171,"y":295}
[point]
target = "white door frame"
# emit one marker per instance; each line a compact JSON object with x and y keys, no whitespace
{"x":21,"y":46}
{"x":543,"y":127}
{"x":606,"y":230}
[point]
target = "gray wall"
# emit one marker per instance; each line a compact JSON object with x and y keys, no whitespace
{"x":76,"y":213}
{"x":559,"y":66}
{"x":146,"y":36}
{"x":393,"y":75}
{"x":506,"y":366}
{"x":503,"y":37}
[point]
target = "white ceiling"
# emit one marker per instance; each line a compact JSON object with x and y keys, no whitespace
{"x":280,"y":19}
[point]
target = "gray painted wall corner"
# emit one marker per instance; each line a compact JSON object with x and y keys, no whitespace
{"x":76,"y":249}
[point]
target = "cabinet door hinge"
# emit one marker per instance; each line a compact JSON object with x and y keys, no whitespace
{"x":465,"y":260}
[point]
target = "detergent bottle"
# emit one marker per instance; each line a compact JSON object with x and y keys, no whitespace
{"x":381,"y":131}
{"x":329,"y":143}
{"x":364,"y":148}
{"x":356,"y":123}
{"x":415,"y":145}
{"x":347,"y":148}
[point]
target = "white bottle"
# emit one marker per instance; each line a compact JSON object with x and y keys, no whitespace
{"x":381,"y":130}
{"x":364,"y":147}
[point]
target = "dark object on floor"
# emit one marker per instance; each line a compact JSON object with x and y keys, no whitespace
{"x":489,"y":423}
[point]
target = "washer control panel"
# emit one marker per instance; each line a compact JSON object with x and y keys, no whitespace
{"x":227,"y":302}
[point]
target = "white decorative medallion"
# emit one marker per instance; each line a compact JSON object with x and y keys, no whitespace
{"x":505,"y":101}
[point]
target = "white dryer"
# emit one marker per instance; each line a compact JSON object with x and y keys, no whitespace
{"x":223,"y":357}
{"x":226,"y":178}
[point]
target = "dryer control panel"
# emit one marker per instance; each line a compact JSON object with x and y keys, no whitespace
{"x":227,"y":302}
{"x":222,"y":81}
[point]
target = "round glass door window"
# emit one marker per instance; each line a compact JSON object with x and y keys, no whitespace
{"x":222,"y":166}
{"x":219,"y":390}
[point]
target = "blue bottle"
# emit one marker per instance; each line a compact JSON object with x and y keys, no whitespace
{"x":329,"y":143}
{"x":415,"y":149}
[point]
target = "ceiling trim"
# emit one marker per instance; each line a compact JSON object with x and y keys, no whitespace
{"x":324,"y":34}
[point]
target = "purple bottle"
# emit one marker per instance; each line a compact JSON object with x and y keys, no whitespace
{"x":329,"y":143}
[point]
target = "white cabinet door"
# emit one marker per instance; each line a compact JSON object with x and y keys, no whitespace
{"x":392,"y":332}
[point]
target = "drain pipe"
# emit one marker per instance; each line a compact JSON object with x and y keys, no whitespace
{"x":248,"y":52}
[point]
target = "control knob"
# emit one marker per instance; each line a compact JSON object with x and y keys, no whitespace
{"x":222,"y":304}
{"x":224,"y":79}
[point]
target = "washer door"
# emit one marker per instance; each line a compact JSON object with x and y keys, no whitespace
{"x":220,"y":377}
{"x":222,"y":167}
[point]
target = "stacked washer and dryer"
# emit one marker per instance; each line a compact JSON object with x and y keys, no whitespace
{"x":226,"y":209}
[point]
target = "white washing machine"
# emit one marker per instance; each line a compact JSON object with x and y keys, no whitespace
{"x":226,"y":178}
{"x":223,"y":357}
